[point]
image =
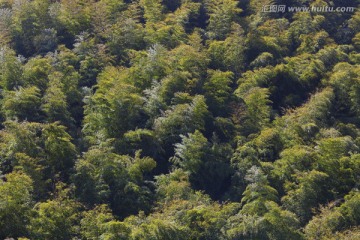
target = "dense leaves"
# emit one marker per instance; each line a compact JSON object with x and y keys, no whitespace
{"x":179,"y":119}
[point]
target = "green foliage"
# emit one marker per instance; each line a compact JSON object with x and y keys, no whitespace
{"x":305,"y":193}
{"x":257,"y":192}
{"x":43,"y":151}
{"x":127,"y":32}
{"x":99,"y":223}
{"x":74,"y":16}
{"x":22,"y":104}
{"x":218,"y":90}
{"x":271,"y":36}
{"x":206,"y":163}
{"x":262,"y":148}
{"x":15,"y":204}
{"x":229,"y":54}
{"x":260,"y":216}
{"x":179,"y":119}
{"x":334,"y":160}
{"x":93,"y":58}
{"x":58,"y":148}
{"x":36,"y":72}
{"x":344,"y":80}
{"x":142,"y":139}
{"x":182,"y":119}
{"x":189,"y":154}
{"x":313,"y":43}
{"x":292,"y":160}
{"x":301,"y":124}
{"x":158,"y":229}
{"x":55,"y":106}
{"x":258,"y":109}
{"x":5,"y":26}
{"x":332,"y":218}
{"x":115,"y":98}
{"x":173,"y":186}
{"x":11,"y":70}
{"x":221,"y":15}
{"x":26,"y":25}
{"x":103,"y":176}
{"x":57,"y":218}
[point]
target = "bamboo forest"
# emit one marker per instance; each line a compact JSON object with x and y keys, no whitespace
{"x":180,"y":119}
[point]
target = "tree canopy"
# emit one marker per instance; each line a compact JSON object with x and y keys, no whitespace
{"x":179,"y":119}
